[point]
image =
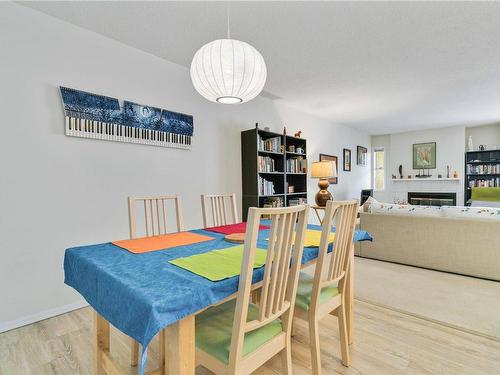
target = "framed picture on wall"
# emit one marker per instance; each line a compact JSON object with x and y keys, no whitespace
{"x":347,"y":160}
{"x":424,"y":155}
{"x":324,"y":157}
{"x":362,"y":156}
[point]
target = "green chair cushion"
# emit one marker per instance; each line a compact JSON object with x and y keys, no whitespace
{"x":303,"y":299}
{"x":214,"y":331}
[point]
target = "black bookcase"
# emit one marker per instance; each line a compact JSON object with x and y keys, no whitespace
{"x":482,"y":168}
{"x":291,"y":150}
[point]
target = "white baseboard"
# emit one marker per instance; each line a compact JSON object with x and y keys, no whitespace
{"x":42,"y":315}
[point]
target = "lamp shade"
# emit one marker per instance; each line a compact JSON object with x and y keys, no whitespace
{"x":228,"y":71}
{"x":323,"y":169}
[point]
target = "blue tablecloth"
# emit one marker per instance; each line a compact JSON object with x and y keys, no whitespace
{"x":142,"y":293}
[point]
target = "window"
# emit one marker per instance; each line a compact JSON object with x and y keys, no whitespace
{"x":379,"y":169}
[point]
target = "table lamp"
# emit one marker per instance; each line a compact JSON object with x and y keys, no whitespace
{"x":323,"y":170}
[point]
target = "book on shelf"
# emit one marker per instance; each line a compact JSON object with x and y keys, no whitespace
{"x":266,"y":187}
{"x":296,"y":165}
{"x":483,"y":169}
{"x":297,"y":201}
{"x":273,"y":202}
{"x":266,"y":164}
{"x":271,"y":144}
{"x":488,"y":182}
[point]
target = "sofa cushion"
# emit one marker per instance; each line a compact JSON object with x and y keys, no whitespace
{"x":486,"y":213}
{"x":365,"y":207}
{"x":404,"y":209}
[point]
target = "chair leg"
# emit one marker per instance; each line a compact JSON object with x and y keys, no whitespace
{"x":286,"y":358}
{"x":134,"y":353}
{"x":292,"y":329}
{"x":315,"y":349}
{"x":344,"y":339}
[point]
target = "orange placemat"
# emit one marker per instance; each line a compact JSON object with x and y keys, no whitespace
{"x":166,"y":241}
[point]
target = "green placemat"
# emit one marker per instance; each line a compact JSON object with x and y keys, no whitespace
{"x":218,"y":265}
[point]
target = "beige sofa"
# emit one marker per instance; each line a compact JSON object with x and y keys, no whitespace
{"x":459,"y":245}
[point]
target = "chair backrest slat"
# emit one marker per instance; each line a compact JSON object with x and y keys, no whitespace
{"x":155,"y":215}
{"x":219,"y":204}
{"x":343,"y":215}
{"x":281,"y":272}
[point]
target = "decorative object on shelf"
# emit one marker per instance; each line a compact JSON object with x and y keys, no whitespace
{"x":471,"y":145}
{"x":291,"y":148}
{"x":291,"y":189}
{"x":297,"y":135}
{"x":482,"y":147}
{"x":423,"y":174}
{"x":440,"y":176}
{"x":362,"y":155}
{"x":284,"y":130}
{"x":300,"y":150}
{"x":347,"y":160}
{"x":447,"y":171}
{"x":334,"y":178}
{"x":424,"y":155}
{"x":455,"y":174}
{"x":228,"y":71}
{"x":266,"y":128}
{"x":409,"y":177}
{"x":323,"y":170}
{"x":400,"y":169}
{"x":394,"y":176}
{"x":100,"y":117}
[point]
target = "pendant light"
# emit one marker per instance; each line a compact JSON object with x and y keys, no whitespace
{"x":228,"y":71}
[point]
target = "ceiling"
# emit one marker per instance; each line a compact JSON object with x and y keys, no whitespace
{"x":381,"y":67}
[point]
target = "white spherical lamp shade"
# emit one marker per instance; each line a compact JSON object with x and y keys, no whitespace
{"x":228,"y":71}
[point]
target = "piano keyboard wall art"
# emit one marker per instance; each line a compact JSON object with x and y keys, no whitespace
{"x":101,"y":117}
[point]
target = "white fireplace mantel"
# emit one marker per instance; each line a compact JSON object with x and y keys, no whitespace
{"x":424,"y":179}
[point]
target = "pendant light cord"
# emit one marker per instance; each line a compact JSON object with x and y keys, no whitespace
{"x":228,"y":27}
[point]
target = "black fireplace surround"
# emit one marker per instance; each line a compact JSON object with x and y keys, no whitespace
{"x":432,"y":199}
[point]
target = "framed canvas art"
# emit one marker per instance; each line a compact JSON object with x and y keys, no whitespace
{"x":324,"y":157}
{"x":362,"y":156}
{"x":424,"y":155}
{"x":347,"y":160}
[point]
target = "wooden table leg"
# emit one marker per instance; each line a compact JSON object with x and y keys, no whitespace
{"x":180,"y":347}
{"x":349,"y":308}
{"x":134,"y":353}
{"x":162,"y":354}
{"x":101,"y":342}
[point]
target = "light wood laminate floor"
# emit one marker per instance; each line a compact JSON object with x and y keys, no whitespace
{"x":386,"y":342}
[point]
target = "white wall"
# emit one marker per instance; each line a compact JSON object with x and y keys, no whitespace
{"x":488,"y":135}
{"x":449,"y":151}
{"x":58,"y":192}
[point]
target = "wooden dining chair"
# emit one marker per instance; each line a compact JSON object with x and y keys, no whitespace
{"x":238,"y":337}
{"x":154,"y":219}
{"x":219,"y":204}
{"x":324,"y":293}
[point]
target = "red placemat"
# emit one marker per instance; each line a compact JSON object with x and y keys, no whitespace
{"x":233,"y":228}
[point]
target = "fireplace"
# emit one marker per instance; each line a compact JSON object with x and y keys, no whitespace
{"x":432,"y":199}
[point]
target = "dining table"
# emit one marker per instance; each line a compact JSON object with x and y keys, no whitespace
{"x":142,"y":294}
